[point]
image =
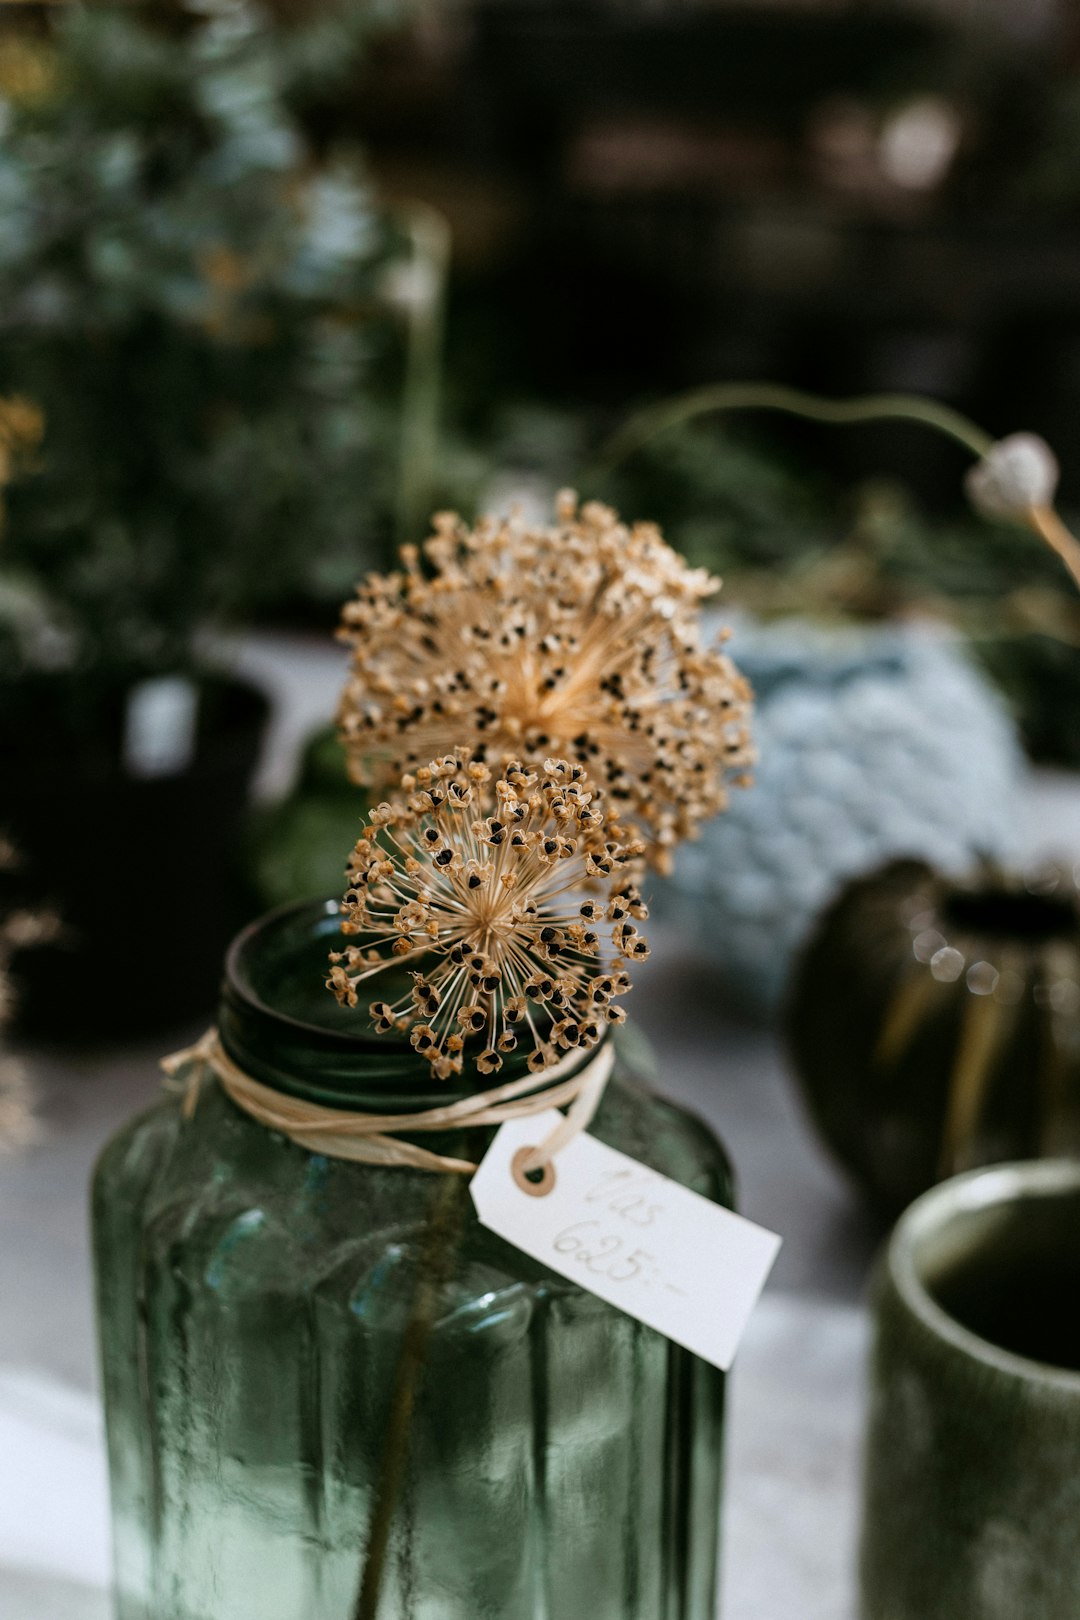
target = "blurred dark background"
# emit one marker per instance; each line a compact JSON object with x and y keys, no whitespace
{"x":640,"y":196}
{"x":846,"y":196}
{"x":280,"y":277}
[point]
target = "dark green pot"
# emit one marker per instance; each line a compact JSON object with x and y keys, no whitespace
{"x":934,"y":1025}
{"x":972,"y":1490}
{"x":157,"y":892}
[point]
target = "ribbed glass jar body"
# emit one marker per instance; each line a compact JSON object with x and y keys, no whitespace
{"x":551,"y":1458}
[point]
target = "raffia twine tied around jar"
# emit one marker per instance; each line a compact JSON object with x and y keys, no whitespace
{"x":372,"y":1138}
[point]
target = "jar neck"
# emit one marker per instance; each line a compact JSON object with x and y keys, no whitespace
{"x":280,"y":1024}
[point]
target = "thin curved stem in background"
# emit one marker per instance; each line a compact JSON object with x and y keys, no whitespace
{"x":652,"y":420}
{"x":655,"y":419}
{"x":429,"y":238}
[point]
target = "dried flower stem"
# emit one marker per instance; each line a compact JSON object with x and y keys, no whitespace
{"x":435,"y":1264}
{"x":1047,"y":523}
{"x":649,"y":423}
{"x":518,"y":891}
{"x":19,"y":1126}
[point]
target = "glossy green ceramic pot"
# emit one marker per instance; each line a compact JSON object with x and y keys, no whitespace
{"x":972,"y":1489}
{"x":934,"y":1024}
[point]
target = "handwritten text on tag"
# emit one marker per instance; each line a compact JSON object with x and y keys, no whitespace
{"x":665,"y":1255}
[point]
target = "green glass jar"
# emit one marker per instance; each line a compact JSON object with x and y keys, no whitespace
{"x":331,"y":1393}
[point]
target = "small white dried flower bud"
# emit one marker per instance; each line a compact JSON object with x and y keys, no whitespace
{"x":1016,"y":474}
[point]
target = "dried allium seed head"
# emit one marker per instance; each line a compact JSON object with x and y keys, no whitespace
{"x":581,"y":639}
{"x":518,"y":917}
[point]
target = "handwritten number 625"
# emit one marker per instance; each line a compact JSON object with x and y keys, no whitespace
{"x":601,"y":1254}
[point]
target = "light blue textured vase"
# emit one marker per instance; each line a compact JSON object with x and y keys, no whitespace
{"x":873,"y":743}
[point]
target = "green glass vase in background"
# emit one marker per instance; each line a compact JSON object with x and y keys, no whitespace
{"x":283,"y":1445}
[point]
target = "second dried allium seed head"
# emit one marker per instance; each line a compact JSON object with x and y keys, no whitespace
{"x":581,"y":639}
{"x":511,"y":902}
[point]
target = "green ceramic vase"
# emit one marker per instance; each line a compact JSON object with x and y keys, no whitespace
{"x":972,"y":1490}
{"x":934,"y":1024}
{"x":312,"y":1367}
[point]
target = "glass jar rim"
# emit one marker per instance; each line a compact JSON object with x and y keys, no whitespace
{"x":348,"y":1066}
{"x":241,"y":982}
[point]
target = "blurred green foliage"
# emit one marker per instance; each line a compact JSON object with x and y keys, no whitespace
{"x":787,"y":541}
{"x":297,"y":849}
{"x":193,"y":290}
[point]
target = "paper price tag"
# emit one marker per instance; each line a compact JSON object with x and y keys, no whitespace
{"x":674,"y":1260}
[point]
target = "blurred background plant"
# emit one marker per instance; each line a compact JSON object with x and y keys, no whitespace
{"x":853,"y":197}
{"x":203,"y":294}
{"x":204,"y":301}
{"x":223,"y":273}
{"x":789,"y":541}
{"x":792,"y":539}
{"x":219,"y":373}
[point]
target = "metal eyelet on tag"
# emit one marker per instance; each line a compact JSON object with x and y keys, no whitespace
{"x":546,"y":1172}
